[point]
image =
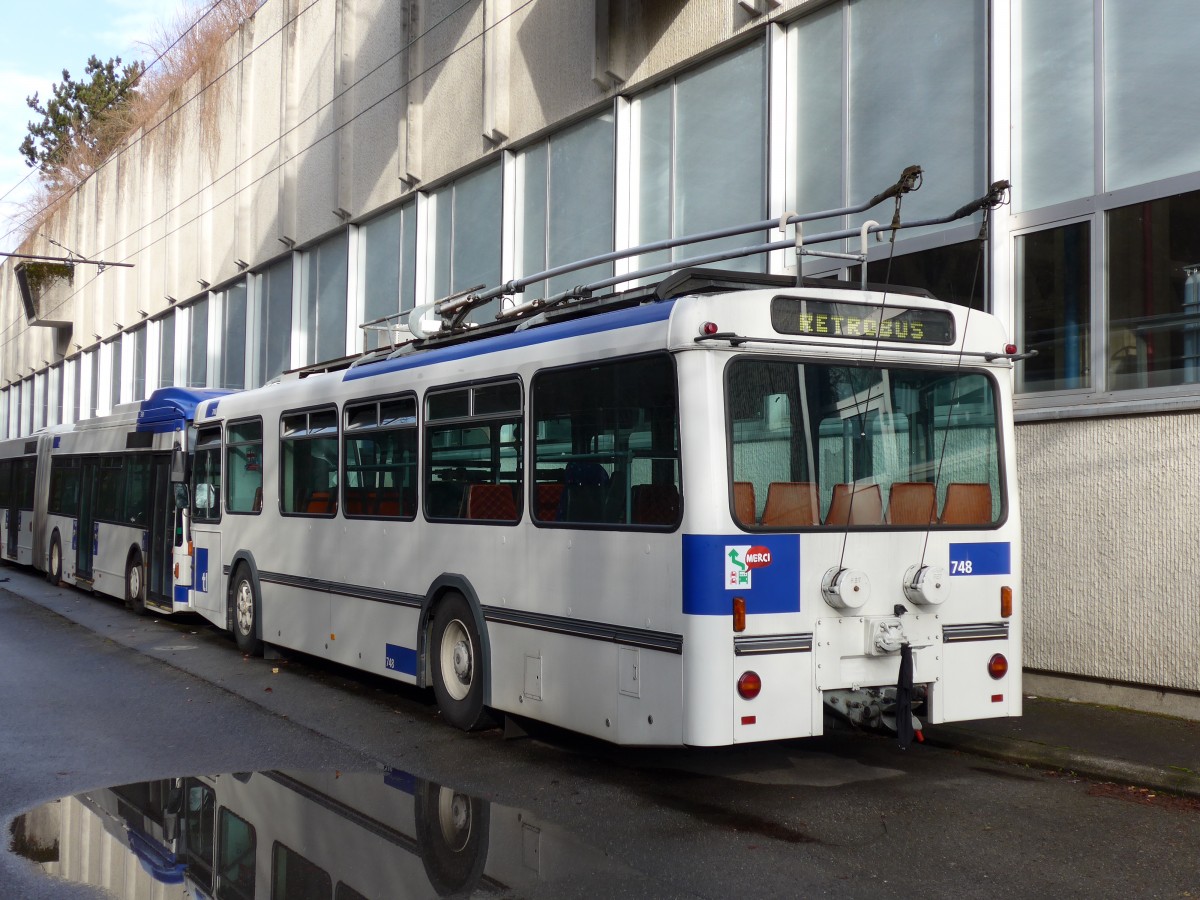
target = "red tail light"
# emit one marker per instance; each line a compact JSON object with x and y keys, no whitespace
{"x":998,"y":666}
{"x":749,"y":685}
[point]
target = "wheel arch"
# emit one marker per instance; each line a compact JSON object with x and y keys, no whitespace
{"x":442,"y":586}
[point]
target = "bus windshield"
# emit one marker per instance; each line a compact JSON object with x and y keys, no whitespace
{"x":818,"y":445}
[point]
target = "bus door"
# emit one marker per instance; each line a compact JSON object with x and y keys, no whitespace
{"x":85,"y":533}
{"x":162,"y":530}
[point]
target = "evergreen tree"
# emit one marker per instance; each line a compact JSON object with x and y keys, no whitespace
{"x":76,"y":131}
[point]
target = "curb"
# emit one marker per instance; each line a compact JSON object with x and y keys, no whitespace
{"x":1173,"y":781}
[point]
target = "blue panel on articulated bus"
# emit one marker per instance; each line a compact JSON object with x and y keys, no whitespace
{"x":764,"y":569}
{"x":400,"y":780}
{"x":989,"y":558}
{"x":658,"y":311}
{"x":170,"y":409}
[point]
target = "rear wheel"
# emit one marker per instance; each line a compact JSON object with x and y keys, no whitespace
{"x":54,"y":569}
{"x":458,"y":664}
{"x":246,"y":613}
{"x":135,"y":583}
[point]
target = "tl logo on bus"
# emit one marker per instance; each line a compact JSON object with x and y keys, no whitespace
{"x":740,"y":563}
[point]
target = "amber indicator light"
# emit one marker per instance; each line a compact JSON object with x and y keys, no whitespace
{"x":739,"y":613}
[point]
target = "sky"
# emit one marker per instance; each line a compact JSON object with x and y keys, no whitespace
{"x":38,"y":41}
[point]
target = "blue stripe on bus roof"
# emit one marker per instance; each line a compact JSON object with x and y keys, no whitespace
{"x":170,"y":407}
{"x":658,"y":311}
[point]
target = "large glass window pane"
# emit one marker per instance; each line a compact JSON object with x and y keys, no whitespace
{"x":654,"y":123}
{"x":389,"y":247}
{"x":325,"y":299}
{"x":197,"y":370}
{"x":233,"y":347}
{"x":720,"y":161}
{"x":274,"y":321}
{"x":568,"y":203}
{"x":606,"y":444}
{"x":1154,"y":293}
{"x":309,"y":470}
{"x":166,"y":351}
{"x":237,"y":845}
{"x":206,"y":476}
{"x":819,"y":97}
{"x":954,"y":272}
{"x":94,"y":389}
{"x":379,"y":454}
{"x":1053,"y":287}
{"x":1151,"y":97}
{"x":935,"y":76}
{"x":77,"y":382}
{"x":816,"y":445}
{"x":243,"y":454}
{"x":1055,"y":108}
{"x":474,"y":458}
{"x":467,"y":236}
{"x":114,"y":357}
{"x":137,"y":339}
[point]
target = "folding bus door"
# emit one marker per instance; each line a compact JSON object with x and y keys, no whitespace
{"x":162,"y":530}
{"x":85,"y":534}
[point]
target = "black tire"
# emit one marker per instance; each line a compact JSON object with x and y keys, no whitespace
{"x":244,"y":611}
{"x":458,"y":663}
{"x":135,"y":583}
{"x":55,"y":562}
{"x":452,"y":837}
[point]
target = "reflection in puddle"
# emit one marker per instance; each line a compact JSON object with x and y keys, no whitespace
{"x":300,"y":835}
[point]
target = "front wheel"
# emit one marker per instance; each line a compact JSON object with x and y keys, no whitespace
{"x":245,"y":614}
{"x":135,"y":584}
{"x":458,"y":664}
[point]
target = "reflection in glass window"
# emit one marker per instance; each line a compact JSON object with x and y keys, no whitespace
{"x":197,"y":364}
{"x":466,"y":237}
{"x":309,"y":463}
{"x":952,"y":272}
{"x":1154,"y":293}
{"x":474,"y":464}
{"x":380,"y":459}
{"x":295,"y":878}
{"x":243,"y":453}
{"x":1054,"y":301}
{"x":847,"y":446}
{"x":110,"y":489}
{"x":388,"y":244}
{"x":166,"y":352}
{"x":274,"y":321}
{"x":566,"y":203}
{"x":237,"y":844}
{"x":114,"y":371}
{"x":137,"y":338}
{"x":606,"y":444}
{"x":199,"y":819}
{"x":233,"y":345}
{"x":324,"y":274}
{"x":700,"y":162}
{"x":206,"y":476}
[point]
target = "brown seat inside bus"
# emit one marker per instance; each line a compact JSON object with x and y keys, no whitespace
{"x":852,"y":505}
{"x":321,"y":503}
{"x":967,"y":504}
{"x":791,"y":504}
{"x":744,"y":506}
{"x":912,"y":503}
{"x":655,"y":504}
{"x":491,"y":501}
{"x":547,"y":496}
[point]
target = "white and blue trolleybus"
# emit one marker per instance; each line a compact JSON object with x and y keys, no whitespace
{"x":701,"y":511}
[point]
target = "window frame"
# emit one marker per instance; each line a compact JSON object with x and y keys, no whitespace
{"x":207,"y":446}
{"x":347,"y":433}
{"x":308,"y":434}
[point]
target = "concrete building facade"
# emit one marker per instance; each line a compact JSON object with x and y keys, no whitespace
{"x":348,"y":159}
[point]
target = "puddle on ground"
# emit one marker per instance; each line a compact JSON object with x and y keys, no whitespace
{"x":304,"y":835}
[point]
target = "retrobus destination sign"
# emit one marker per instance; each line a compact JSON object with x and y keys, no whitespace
{"x":861,"y":321}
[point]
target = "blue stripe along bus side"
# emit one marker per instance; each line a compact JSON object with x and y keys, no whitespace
{"x":648,"y":313}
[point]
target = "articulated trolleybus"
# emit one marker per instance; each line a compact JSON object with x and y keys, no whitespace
{"x":700,"y":512}
{"x":101,"y":505}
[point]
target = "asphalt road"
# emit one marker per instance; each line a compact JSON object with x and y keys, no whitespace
{"x":91,"y":696}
